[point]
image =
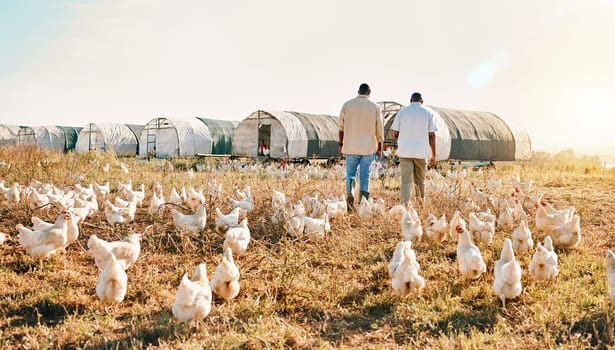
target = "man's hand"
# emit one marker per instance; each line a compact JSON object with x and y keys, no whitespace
{"x":432,"y":161}
{"x":341,"y":154}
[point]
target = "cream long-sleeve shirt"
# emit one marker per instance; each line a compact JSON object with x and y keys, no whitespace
{"x":361,"y":121}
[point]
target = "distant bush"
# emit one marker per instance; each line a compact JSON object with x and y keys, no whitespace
{"x":566,"y":161}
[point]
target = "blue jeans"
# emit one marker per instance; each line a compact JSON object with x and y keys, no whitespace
{"x":354,"y":161}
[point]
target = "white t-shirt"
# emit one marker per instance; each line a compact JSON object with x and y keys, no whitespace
{"x":414,"y":123}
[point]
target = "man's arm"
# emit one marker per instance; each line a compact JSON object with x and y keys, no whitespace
{"x":341,"y":141}
{"x":432,"y":145}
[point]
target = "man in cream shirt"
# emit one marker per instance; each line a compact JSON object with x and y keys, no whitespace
{"x":360,"y":135}
{"x":415,"y":130}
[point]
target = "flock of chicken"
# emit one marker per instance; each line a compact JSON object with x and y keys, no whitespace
{"x":510,"y":215}
{"x":307,"y":218}
{"x":78,"y":203}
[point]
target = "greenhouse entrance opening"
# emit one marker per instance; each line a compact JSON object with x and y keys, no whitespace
{"x":264,"y":139}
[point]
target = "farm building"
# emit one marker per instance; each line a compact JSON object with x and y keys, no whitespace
{"x":8,"y":134}
{"x":221,"y":133}
{"x":51,"y":137}
{"x":122,"y":139}
{"x":164,"y":137}
{"x":286,"y":135}
{"x":471,"y":135}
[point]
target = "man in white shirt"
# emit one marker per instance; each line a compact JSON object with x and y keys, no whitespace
{"x":415,"y":130}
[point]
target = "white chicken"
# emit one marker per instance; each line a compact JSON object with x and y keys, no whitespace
{"x":530,"y":202}
{"x":3,"y":237}
{"x":13,"y":194}
{"x":519,"y":213}
{"x":46,"y":241}
{"x":610,"y":272}
{"x":136,"y":196}
{"x":296,"y":220}
{"x":157,"y":189}
{"x":505,"y":221}
{"x":124,"y":167}
{"x":246,"y":205}
{"x":456,"y":220}
{"x":195,"y":198}
{"x":193,"y":298}
{"x":101,"y":190}
{"x":225,"y":222}
{"x":174,"y":197}
{"x":398,"y":211}
{"x":225,"y":282}
{"x":436,"y":229}
{"x":317,"y":227}
{"x":544,"y":261}
{"x":37,"y":199}
{"x":404,"y":270}
{"x":482,"y":231}
{"x":238,"y":238}
{"x":121,"y":203}
{"x":411,"y":228}
{"x":192,"y":223}
{"x":214,"y":190}
{"x":366,"y":208}
{"x":81,"y":213}
{"x":112,"y":282}
{"x":525,"y":187}
{"x":469,"y":206}
{"x":507,"y":282}
{"x":567,"y":234}
{"x":119,"y":215}
{"x":486,"y":216}
{"x":522,"y":238}
{"x":547,"y":218}
{"x":469,"y":258}
{"x":278,"y":200}
{"x":242,"y":195}
{"x":155,"y":203}
{"x":379,"y":207}
{"x":125,"y":251}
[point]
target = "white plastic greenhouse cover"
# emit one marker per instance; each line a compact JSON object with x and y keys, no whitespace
{"x":102,"y":137}
{"x":443,"y":137}
{"x":163,"y":138}
{"x":293,"y":134}
{"x":46,"y":137}
{"x":8,"y":134}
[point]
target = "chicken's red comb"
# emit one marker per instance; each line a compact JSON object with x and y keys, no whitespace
{"x":543,"y":203}
{"x":605,"y":248}
{"x":517,"y":189}
{"x":459,"y":228}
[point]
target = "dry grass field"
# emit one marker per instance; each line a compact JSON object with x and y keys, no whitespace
{"x":297,"y":293}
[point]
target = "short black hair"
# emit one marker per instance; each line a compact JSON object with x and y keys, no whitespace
{"x":416,"y":97}
{"x":364,"y":89}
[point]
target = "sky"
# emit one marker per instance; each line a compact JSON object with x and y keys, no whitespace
{"x":545,"y":66}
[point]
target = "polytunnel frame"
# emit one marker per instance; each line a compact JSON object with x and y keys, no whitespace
{"x":69,"y":134}
{"x":505,"y":148}
{"x":102,"y":129}
{"x":311,"y":130}
{"x":221,"y":134}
